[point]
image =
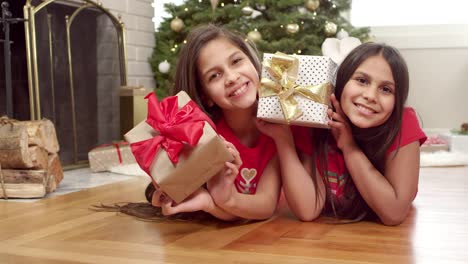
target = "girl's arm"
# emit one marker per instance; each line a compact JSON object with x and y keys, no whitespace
{"x":389,"y":195}
{"x":200,"y":200}
{"x":298,"y":186}
{"x":260,"y":205}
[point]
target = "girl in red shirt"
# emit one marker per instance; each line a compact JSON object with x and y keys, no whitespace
{"x":368,"y":162}
{"x":219,"y":70}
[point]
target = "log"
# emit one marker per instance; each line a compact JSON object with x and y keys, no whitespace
{"x":51,"y":184}
{"x":12,"y":184}
{"x":54,"y":173}
{"x":23,"y":190}
{"x":24,"y":176}
{"x":42,"y":133}
{"x":39,"y":156}
{"x":14,"y":152}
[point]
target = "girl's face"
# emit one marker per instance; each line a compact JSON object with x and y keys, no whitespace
{"x":368,"y":97}
{"x":229,"y":78}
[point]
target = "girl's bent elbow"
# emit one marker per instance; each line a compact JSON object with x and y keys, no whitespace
{"x":307,"y":216}
{"x":393,"y":220}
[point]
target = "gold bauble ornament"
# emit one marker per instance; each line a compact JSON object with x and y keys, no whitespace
{"x":312,"y":5}
{"x":247,"y":10}
{"x":330,"y":29}
{"x":292,"y":28}
{"x":177,"y":24}
{"x":254,"y":36}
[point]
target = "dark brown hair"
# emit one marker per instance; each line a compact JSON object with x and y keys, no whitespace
{"x":374,"y":141}
{"x":187,"y":75}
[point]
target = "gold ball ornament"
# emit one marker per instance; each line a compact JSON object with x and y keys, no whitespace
{"x":254,"y":36}
{"x":247,"y":10}
{"x":292,"y":28}
{"x":177,"y":24}
{"x":330,"y":29}
{"x":312,"y":5}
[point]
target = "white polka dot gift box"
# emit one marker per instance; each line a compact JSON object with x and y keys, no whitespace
{"x":296,"y":89}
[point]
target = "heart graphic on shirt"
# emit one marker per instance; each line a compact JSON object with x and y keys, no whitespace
{"x":248,"y":174}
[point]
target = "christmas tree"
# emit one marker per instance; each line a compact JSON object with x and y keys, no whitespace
{"x":290,"y":26}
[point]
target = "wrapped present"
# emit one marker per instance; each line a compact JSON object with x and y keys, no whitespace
{"x":457,"y":142}
{"x":103,"y":157}
{"x":177,"y":146}
{"x":296,"y":89}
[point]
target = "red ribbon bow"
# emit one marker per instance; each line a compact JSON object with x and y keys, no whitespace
{"x":176,"y":127}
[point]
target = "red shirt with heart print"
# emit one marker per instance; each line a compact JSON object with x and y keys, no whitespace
{"x":254,"y":160}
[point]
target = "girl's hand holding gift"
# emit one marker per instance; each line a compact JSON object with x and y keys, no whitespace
{"x":339,"y":126}
{"x":275,"y":130}
{"x":221,"y":186}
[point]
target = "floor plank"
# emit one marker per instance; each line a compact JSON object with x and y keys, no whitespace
{"x":62,"y":229}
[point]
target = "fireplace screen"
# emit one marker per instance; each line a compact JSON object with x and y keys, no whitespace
{"x":76,"y":65}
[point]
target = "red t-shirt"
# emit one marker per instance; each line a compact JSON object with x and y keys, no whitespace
{"x":338,"y":175}
{"x":254,"y":160}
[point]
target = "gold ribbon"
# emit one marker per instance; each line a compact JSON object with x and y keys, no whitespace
{"x":284,"y":70}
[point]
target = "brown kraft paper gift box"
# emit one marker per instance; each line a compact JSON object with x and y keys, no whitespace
{"x":196,"y":165}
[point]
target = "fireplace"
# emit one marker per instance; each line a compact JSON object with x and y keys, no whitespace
{"x":75,"y":57}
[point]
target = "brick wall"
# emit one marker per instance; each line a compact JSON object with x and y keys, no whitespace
{"x":137,"y":16}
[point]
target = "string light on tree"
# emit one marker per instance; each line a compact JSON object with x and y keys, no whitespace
{"x":312,"y":5}
{"x":177,"y":24}
{"x":164,"y":67}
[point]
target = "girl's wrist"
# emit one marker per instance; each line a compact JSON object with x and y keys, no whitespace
{"x":210,"y":207}
{"x":350,"y":147}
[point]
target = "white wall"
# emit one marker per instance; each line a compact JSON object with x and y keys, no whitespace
{"x":437,"y":57}
{"x":137,"y":16}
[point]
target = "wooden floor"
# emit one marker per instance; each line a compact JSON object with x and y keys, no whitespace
{"x":63,"y":230}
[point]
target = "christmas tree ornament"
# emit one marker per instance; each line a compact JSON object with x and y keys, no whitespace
{"x":164,"y":67}
{"x":254,"y":35}
{"x":247,"y":10}
{"x":302,"y":10}
{"x":255,"y":14}
{"x":177,"y":24}
{"x":292,"y":28}
{"x":342,"y":34}
{"x":214,"y":4}
{"x":260,"y":6}
{"x":330,"y":28}
{"x":312,"y":5}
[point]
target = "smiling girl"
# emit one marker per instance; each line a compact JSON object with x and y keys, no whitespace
{"x":368,"y":162}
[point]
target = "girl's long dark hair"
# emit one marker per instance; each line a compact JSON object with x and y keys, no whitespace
{"x":187,"y":73}
{"x":375,"y":141}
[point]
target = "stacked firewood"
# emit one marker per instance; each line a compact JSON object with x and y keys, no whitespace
{"x":29,"y":163}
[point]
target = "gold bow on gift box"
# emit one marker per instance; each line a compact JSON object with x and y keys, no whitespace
{"x":284,"y":70}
